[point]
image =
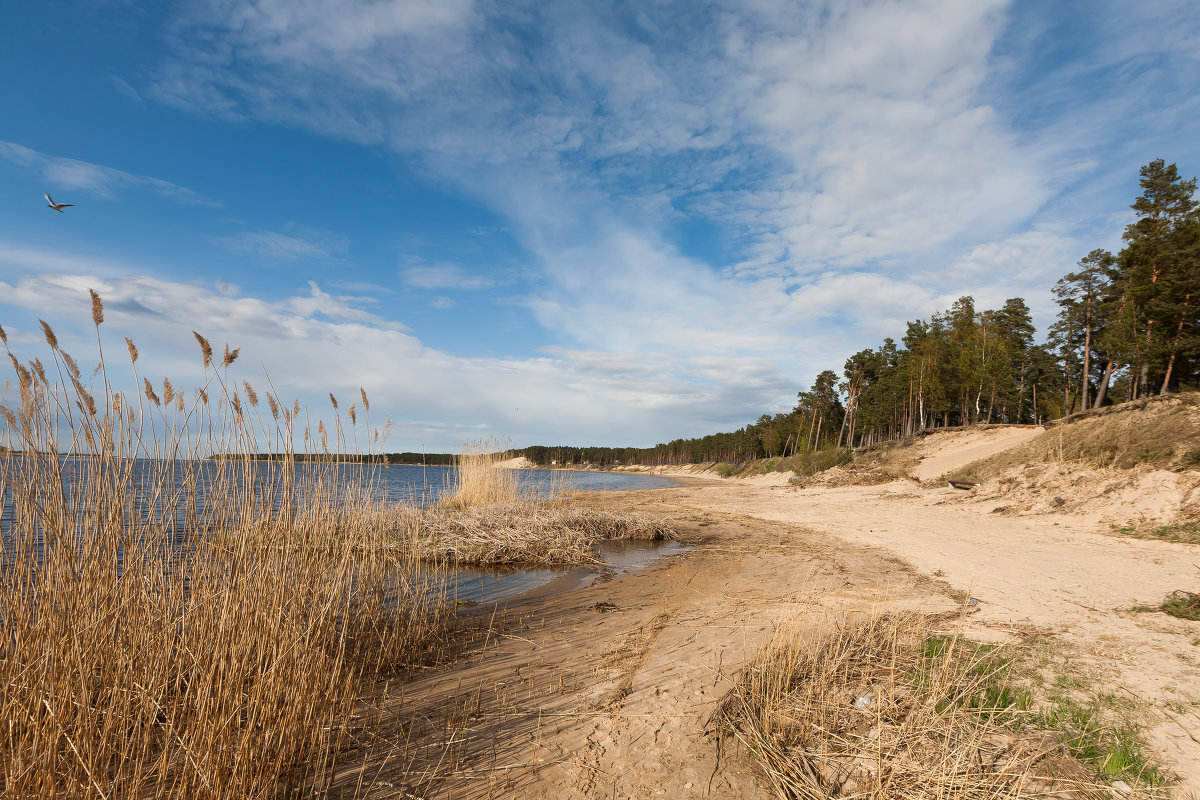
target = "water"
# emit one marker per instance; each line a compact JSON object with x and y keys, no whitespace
{"x":501,"y":583}
{"x":157,"y":493}
{"x":407,"y":483}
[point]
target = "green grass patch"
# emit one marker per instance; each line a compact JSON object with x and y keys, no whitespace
{"x":1182,"y":532}
{"x":1005,"y":686}
{"x":1185,"y":605}
{"x":1099,"y":731}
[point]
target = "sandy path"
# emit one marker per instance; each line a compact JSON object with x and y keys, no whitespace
{"x":1052,"y":574}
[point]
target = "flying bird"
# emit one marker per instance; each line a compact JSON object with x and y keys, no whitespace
{"x":57,"y":206}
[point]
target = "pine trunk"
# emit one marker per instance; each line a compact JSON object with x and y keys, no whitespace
{"x":1102,"y":390}
{"x":1175,"y":343}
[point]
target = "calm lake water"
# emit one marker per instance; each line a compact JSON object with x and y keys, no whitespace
{"x":394,"y":484}
{"x":404,"y":483}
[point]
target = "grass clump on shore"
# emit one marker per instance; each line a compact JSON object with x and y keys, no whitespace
{"x":488,"y":518}
{"x":1182,"y":604}
{"x":522,"y":532}
{"x":876,"y":707}
{"x":1181,"y":532}
{"x":177,"y":619}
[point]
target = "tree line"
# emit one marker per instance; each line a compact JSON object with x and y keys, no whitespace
{"x":1126,"y":329}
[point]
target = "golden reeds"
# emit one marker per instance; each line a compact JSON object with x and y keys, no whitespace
{"x":478,"y":479}
{"x":177,"y":620}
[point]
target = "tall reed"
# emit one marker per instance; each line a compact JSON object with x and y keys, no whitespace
{"x":478,"y":479}
{"x":177,"y":619}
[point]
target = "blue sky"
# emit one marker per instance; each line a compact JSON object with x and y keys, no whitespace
{"x":565,"y":222}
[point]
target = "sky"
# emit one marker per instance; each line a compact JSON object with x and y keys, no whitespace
{"x":589,"y":223}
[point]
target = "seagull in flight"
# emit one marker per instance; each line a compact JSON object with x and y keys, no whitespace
{"x":57,"y":206}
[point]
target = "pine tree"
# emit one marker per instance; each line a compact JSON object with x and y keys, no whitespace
{"x":1079,"y":295}
{"x":1150,"y":265}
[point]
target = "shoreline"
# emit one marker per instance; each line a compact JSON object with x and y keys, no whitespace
{"x":571,"y":681}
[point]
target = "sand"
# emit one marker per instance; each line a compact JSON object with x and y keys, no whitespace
{"x":564,"y":699}
{"x":953,"y":450}
{"x":520,"y":462}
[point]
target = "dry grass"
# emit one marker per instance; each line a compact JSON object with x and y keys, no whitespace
{"x":173,"y":625}
{"x":521,"y":532}
{"x":479,"y":480}
{"x":488,"y":518}
{"x":935,"y":722}
{"x":1160,"y":432}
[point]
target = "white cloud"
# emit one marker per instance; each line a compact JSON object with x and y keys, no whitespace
{"x":72,"y":174}
{"x":124,"y":88}
{"x":301,"y":243}
{"x":314,"y":344}
{"x":445,"y":276}
{"x":866,"y":162}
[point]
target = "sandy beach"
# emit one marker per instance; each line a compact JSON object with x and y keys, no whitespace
{"x":608,"y":690}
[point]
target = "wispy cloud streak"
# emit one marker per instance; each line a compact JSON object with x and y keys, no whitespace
{"x":70,"y":173}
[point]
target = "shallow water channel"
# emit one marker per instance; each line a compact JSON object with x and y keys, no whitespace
{"x":486,"y":585}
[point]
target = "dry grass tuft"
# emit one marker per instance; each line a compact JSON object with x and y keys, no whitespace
{"x":932,"y":724}
{"x":177,"y":620}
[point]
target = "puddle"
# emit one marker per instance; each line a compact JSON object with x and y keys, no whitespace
{"x":500,"y":583}
{"x":627,"y":555}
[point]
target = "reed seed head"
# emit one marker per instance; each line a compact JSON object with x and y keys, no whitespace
{"x":366,"y":402}
{"x":352,"y":414}
{"x":251,"y":395}
{"x":333,"y":400}
{"x":71,"y":365}
{"x":203,"y":396}
{"x":133,"y":351}
{"x":97,"y":308}
{"x":24,"y":377}
{"x":40,"y":370}
{"x":51,"y":339}
{"x":168,"y":391}
{"x":273,"y":405}
{"x":205,"y":348}
{"x":150,"y":395}
{"x":179,"y":402}
{"x":3,"y":336}
{"x":230,"y":355}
